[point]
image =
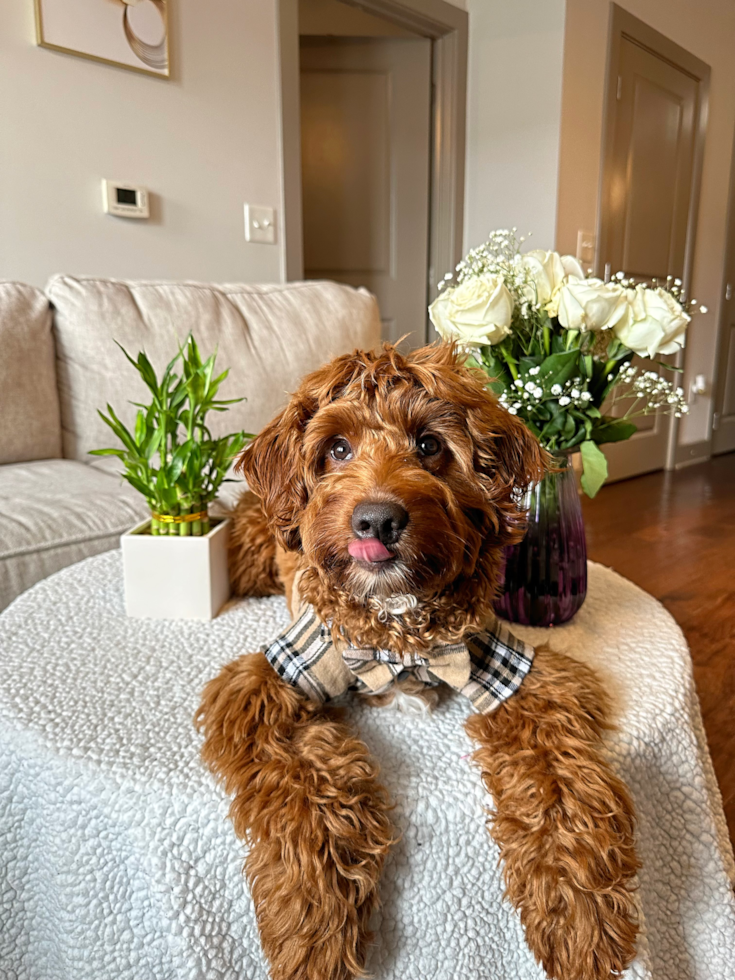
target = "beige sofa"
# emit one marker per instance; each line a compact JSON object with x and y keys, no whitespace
{"x":59,"y":364}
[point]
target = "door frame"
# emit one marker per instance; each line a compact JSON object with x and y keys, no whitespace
{"x":724,"y":317}
{"x":624,"y":25}
{"x":447,"y":27}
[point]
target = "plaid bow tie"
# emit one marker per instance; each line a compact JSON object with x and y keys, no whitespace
{"x":487,"y":667}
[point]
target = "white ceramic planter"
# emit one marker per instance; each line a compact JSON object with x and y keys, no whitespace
{"x":175,"y":577}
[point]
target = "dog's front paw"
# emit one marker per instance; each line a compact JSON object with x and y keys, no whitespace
{"x":563,"y":820}
{"x":307,"y":800}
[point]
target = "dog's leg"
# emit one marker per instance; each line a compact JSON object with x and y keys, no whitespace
{"x":307,"y":800}
{"x":563,"y":821}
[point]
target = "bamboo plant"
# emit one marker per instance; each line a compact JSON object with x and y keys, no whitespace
{"x":171,"y":457}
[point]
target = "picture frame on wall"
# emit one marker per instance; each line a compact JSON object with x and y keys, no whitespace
{"x":131,"y":34}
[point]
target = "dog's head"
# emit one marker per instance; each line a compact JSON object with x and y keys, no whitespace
{"x":394,"y":474}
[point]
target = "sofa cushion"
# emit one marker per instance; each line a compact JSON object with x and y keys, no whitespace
{"x":269,"y":336}
{"x":56,"y":512}
{"x":29,"y":401}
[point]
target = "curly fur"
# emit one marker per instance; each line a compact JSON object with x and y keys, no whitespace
{"x":307,"y":799}
{"x":462,"y":515}
{"x":562,"y":819}
{"x":306,"y":794}
{"x":252,"y":557}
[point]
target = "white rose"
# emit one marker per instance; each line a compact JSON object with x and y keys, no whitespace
{"x":591,"y":304}
{"x":654,"y":324}
{"x":550,"y":271}
{"x":475,"y":313}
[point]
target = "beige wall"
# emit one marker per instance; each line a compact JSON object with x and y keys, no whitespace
{"x":204,"y":143}
{"x":513,"y":117}
{"x":707,"y":29}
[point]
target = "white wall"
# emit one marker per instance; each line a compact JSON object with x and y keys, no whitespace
{"x":513,"y":118}
{"x":203,"y":142}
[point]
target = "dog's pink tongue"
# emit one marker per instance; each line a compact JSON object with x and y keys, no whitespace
{"x":368,"y":549}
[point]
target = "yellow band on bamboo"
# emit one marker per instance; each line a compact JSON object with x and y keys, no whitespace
{"x":202,"y":515}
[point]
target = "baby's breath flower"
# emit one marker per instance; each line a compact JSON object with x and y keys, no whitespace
{"x":564,"y":400}
{"x":534,"y":370}
{"x":538,"y":392}
{"x":556,"y":389}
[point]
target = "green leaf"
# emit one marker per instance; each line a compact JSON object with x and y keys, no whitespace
{"x":525,"y":364}
{"x":119,"y":429}
{"x":558,"y":368}
{"x":140,"y":428}
{"x":497,"y":370}
{"x":147,"y":373}
{"x":595,"y":467}
{"x":614,"y":430}
{"x":153,"y":443}
{"x":179,"y":461}
{"x":138,"y":485}
{"x":120,"y":453}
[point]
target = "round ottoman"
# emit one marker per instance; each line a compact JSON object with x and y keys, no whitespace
{"x":117,"y":859}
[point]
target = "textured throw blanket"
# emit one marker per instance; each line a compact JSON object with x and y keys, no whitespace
{"x":118,"y":861}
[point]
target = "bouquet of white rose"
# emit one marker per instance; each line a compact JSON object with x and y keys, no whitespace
{"x":555,"y":344}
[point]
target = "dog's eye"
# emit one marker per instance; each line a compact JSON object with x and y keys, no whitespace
{"x":340,"y":450}
{"x":429,"y":446}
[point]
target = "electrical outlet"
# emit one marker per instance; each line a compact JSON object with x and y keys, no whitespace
{"x":260,"y":224}
{"x":586,"y":244}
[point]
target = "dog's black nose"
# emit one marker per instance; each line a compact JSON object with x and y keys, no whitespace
{"x":384,"y":521}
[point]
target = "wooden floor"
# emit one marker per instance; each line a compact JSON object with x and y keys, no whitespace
{"x":673,"y":534}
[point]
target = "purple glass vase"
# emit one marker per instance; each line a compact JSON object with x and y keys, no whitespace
{"x":544,"y":581}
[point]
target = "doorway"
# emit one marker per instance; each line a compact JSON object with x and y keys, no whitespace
{"x":365,"y":148}
{"x":373,"y":108}
{"x":654,"y":135}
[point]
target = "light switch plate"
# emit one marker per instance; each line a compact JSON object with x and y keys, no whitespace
{"x":260,"y":224}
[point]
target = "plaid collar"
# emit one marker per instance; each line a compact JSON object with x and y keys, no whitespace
{"x":487,"y":667}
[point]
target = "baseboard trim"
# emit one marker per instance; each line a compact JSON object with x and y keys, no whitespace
{"x":694,"y":452}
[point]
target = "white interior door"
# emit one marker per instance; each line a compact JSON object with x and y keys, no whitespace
{"x":365,"y":142}
{"x":646,"y":205}
{"x":723,"y":429}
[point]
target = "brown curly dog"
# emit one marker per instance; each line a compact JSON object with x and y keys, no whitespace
{"x":391,"y":476}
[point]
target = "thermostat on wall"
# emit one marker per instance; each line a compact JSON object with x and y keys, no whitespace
{"x":124,"y":200}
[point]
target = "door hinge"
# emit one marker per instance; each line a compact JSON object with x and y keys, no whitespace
{"x":619,"y":94}
{"x":728,"y":292}
{"x":715,"y":421}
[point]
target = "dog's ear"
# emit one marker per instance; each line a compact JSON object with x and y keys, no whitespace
{"x":508,"y":459}
{"x":506,"y":452}
{"x":274,"y":469}
{"x":505,"y":448}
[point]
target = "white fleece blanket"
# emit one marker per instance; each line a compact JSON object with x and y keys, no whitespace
{"x":117,"y":861}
